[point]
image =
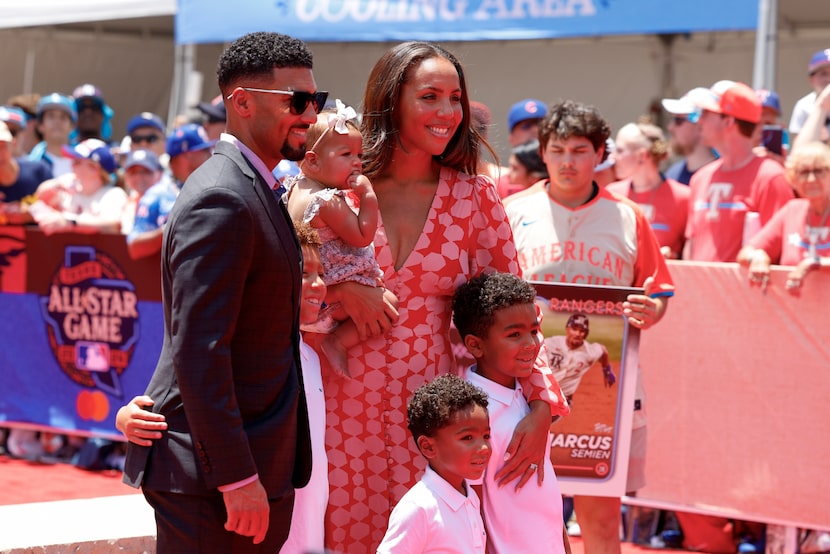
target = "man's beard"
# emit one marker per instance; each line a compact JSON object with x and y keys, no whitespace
{"x":681,"y":150}
{"x":574,"y":344}
{"x":292,"y":154}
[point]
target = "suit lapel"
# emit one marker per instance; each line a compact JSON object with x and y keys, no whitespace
{"x":276,"y":211}
{"x":284,"y":228}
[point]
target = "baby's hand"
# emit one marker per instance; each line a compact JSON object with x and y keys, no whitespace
{"x":362,"y":185}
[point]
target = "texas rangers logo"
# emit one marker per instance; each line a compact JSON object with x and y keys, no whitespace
{"x":92,"y":321}
{"x":717,"y":196}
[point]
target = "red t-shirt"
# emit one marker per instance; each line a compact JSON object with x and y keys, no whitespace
{"x":721,"y":199}
{"x":666,"y":208}
{"x":794,"y":233}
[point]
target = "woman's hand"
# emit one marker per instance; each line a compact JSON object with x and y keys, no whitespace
{"x":795,"y":278}
{"x":758,"y":263}
{"x":140,"y":426}
{"x":370,"y":309}
{"x":528,"y":448}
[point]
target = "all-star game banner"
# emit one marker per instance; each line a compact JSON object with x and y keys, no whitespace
{"x":81,"y":328}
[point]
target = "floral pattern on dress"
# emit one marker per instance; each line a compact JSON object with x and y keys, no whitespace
{"x":373,"y":460}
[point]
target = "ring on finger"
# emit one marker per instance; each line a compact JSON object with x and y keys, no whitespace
{"x":533,"y":467}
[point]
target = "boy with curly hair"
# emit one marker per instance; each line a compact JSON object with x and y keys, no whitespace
{"x":498,"y":321}
{"x":441,"y":513}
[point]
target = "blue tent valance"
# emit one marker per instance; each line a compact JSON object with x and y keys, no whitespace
{"x":205,"y":21}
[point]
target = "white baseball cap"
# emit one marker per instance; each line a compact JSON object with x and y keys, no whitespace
{"x":687,"y":103}
{"x":5,"y":134}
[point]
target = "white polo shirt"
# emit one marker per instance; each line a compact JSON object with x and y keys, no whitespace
{"x":307,"y":519}
{"x":525,"y":521}
{"x":434,"y":517}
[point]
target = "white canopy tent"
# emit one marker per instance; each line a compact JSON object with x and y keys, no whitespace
{"x":32,"y":13}
{"x":125,"y":47}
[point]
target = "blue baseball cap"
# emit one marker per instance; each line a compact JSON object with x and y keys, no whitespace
{"x":524,"y":110}
{"x":769,"y":99}
{"x":820,"y":58}
{"x":215,"y":109}
{"x":95,"y":150}
{"x":12,"y":115}
{"x":56,"y":101}
{"x":145,"y":119}
{"x":188,"y":138}
{"x":144,"y":158}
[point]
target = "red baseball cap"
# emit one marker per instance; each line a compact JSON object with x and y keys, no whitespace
{"x":732,"y":98}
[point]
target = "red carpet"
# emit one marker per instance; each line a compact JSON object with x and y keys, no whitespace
{"x":23,"y":482}
{"x":627,"y":548}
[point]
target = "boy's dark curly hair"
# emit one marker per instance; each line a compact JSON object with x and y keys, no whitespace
{"x":255,"y":55}
{"x":573,"y":119}
{"x":435,"y":403}
{"x":476,"y":302}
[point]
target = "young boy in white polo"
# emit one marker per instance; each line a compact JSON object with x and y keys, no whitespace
{"x":441,"y":513}
{"x":498,"y":322}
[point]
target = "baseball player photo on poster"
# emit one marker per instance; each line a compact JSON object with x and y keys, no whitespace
{"x":592,"y":351}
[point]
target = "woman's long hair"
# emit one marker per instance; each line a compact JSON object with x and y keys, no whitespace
{"x":381,"y":118}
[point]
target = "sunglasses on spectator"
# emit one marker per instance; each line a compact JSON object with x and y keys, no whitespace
{"x":679,"y":120}
{"x":90,"y":105}
{"x":149,"y":139}
{"x":300,"y":99}
{"x":526,"y":125}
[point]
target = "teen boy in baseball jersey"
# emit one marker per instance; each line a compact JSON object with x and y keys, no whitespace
{"x":568,"y":229}
{"x":571,"y":356}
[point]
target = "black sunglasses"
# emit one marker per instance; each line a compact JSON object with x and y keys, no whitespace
{"x":149,"y":139}
{"x":300,"y":99}
{"x":679,"y":120}
{"x":91,"y":105}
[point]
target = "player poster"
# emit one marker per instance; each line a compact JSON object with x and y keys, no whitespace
{"x":592,"y":351}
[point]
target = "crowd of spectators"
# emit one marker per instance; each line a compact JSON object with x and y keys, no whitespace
{"x":62,"y":171}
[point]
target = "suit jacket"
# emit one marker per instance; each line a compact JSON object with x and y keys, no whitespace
{"x":228,"y":379}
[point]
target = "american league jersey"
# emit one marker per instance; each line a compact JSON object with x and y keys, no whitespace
{"x":607,"y":241}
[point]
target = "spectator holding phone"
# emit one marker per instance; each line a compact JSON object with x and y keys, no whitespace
{"x":770,"y":137}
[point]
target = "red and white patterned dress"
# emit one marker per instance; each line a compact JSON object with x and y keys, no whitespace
{"x":372,"y":458}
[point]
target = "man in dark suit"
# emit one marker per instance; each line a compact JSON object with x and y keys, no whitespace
{"x":228,"y":379}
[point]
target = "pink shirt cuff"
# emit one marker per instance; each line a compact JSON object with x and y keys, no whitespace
{"x":239,"y":484}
